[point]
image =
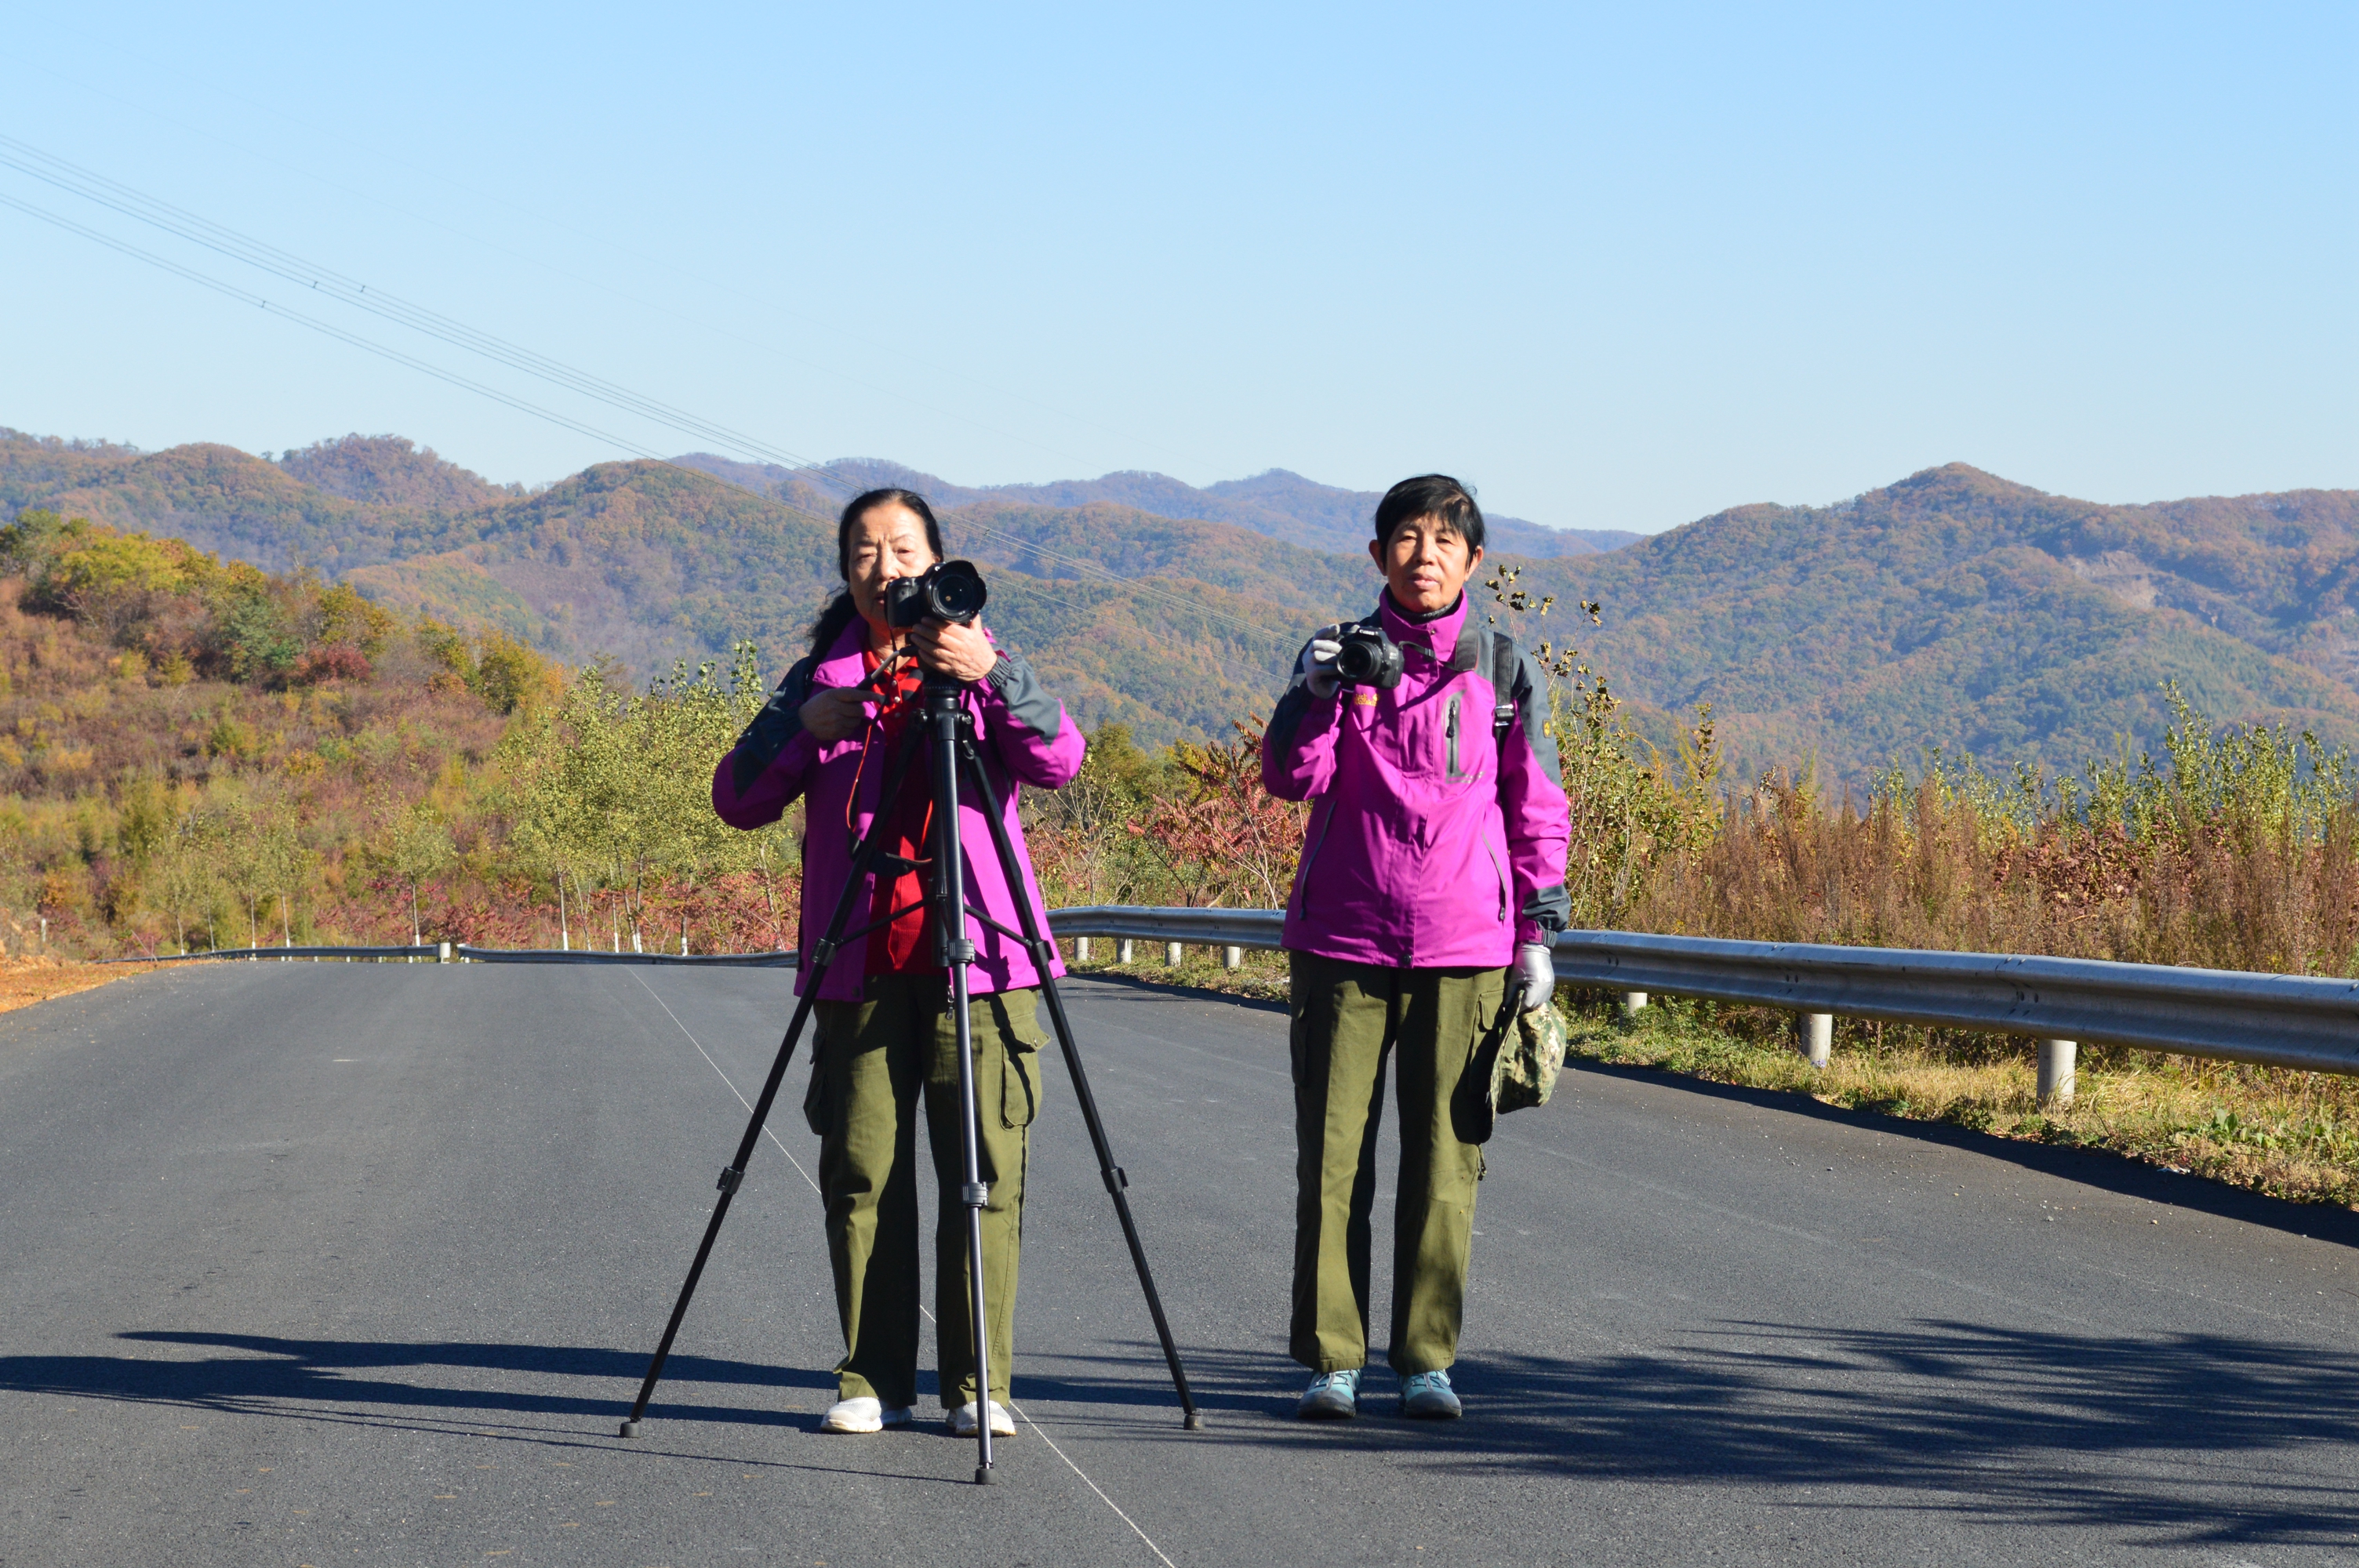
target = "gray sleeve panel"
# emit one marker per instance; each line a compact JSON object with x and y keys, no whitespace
{"x":1028,"y":704}
{"x":779,"y":721}
{"x":1551,"y":906}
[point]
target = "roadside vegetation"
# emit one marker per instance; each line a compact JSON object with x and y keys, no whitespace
{"x":197,"y":754}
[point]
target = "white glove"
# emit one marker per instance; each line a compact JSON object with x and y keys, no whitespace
{"x":1318,"y":666}
{"x":1537,"y":972}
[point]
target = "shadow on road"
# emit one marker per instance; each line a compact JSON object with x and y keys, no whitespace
{"x":2193,"y":1439}
{"x":263,"y":1372}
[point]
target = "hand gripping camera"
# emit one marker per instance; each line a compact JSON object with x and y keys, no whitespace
{"x":948,"y":591}
{"x":1368,"y":658}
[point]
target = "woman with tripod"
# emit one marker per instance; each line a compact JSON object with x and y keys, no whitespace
{"x":838,"y":734}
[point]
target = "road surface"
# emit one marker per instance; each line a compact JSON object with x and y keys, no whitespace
{"x":360,"y":1264}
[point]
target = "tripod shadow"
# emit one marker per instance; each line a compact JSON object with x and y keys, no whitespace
{"x":2196,"y":1438}
{"x":259,"y":1373}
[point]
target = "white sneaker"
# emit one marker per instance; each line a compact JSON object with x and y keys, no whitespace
{"x":864,"y":1414}
{"x":962,"y":1421}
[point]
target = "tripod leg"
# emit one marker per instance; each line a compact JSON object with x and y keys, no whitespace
{"x":730,"y":1179}
{"x":942,"y":707}
{"x":822,"y":955}
{"x":1115,"y":1178}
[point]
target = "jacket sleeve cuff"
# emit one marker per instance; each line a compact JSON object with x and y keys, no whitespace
{"x":1019,"y":690}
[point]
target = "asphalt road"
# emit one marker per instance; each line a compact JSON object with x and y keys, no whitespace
{"x":360,"y":1264}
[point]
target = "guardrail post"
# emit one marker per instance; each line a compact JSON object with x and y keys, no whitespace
{"x":1171,"y":954}
{"x":1818,"y":1037}
{"x":2056,"y":1063}
{"x":1633,"y":1004}
{"x":1122,"y":951}
{"x":1233,"y":959}
{"x":443,"y":955}
{"x":1080,"y":949}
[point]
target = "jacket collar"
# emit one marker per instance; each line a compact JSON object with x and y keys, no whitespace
{"x":841,"y":663}
{"x":1453,"y":629}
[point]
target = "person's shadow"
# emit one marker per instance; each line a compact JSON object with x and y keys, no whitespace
{"x":2194,"y":1438}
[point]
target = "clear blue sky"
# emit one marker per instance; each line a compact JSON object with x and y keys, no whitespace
{"x":1619,"y":266}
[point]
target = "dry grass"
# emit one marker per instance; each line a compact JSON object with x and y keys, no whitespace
{"x":2289,"y":1135}
{"x":23,"y":981}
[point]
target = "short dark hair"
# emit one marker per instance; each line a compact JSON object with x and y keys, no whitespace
{"x":1435,"y":495}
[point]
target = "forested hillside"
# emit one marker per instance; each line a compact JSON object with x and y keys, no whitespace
{"x":1956,"y":609}
{"x":1952,"y":609}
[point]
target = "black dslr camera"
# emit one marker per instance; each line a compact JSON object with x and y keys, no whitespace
{"x":948,"y":590}
{"x":1368,"y":658}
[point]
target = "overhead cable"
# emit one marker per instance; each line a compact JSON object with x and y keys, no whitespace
{"x":198,"y":229}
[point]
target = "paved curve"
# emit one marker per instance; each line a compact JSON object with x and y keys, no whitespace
{"x":328,"y":1264}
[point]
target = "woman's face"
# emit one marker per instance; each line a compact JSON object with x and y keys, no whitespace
{"x":887,"y":542}
{"x":1426,"y":564}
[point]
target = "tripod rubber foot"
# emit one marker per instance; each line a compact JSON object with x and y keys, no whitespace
{"x":630,"y":1429}
{"x":1195,"y":1420}
{"x":983,"y":1475}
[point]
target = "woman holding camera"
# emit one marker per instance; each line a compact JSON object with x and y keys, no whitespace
{"x":833,"y":735}
{"x":1434,"y":861}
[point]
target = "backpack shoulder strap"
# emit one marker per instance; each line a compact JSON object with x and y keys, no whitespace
{"x":1501,"y":652}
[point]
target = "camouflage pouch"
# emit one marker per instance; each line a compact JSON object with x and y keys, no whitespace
{"x":1524,"y":1074}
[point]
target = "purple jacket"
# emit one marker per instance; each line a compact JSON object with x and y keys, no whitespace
{"x":1016,"y":724}
{"x":1432,"y":845}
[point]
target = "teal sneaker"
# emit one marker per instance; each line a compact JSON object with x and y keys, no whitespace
{"x":1426,"y":1396}
{"x":1332,"y":1396}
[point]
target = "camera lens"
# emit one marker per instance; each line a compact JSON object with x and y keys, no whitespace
{"x":955,"y":590}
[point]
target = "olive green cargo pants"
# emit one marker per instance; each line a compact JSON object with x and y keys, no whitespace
{"x":1348,"y":1020}
{"x":876,"y":1059}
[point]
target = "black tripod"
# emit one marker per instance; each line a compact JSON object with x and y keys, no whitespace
{"x":952,"y":751}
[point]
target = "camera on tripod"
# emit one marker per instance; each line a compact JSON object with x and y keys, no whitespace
{"x":1368,"y":658}
{"x":948,"y":591}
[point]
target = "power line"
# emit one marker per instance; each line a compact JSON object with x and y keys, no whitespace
{"x":289,"y":267}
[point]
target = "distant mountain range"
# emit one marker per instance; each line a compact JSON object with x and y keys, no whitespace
{"x":1281,"y":504}
{"x":1952,"y":608}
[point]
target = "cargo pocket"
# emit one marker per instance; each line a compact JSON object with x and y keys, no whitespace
{"x":1017,"y":1013}
{"x":815,"y":1097}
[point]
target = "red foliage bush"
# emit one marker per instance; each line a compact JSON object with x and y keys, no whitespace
{"x":334,"y":661}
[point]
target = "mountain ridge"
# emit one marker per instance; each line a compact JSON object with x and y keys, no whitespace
{"x":1276,"y":501}
{"x":1950,"y":608}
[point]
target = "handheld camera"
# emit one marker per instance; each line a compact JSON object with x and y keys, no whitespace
{"x":947,"y":590}
{"x":1368,"y":658}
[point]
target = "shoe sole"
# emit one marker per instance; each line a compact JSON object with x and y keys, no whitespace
{"x":1326,"y":1412}
{"x":1431,"y":1413}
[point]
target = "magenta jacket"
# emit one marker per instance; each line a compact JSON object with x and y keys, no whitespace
{"x":1430,"y":844}
{"x":1019,"y":728}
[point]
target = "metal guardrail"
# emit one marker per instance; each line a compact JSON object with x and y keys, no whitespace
{"x":2279,"y":1020}
{"x":590,"y":955}
{"x":430,"y":951}
{"x":459,"y":952}
{"x":1256,"y":929}
{"x":2299,"y":1022}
